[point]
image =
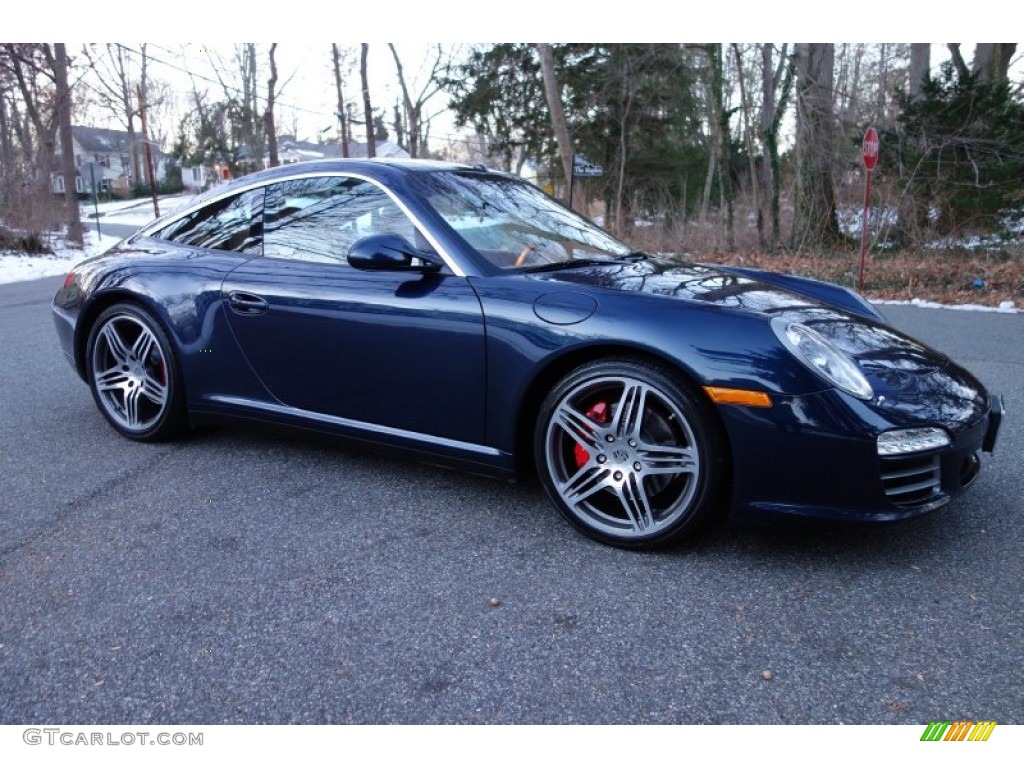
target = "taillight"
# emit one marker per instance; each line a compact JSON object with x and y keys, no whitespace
{"x":69,"y":279}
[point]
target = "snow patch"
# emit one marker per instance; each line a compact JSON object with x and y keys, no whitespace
{"x":15,"y":266}
{"x":1007,"y":307}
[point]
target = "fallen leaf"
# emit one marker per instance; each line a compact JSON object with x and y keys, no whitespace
{"x":896,"y":705}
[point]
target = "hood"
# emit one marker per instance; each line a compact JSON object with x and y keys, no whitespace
{"x":909,"y":376}
{"x":688,"y":282}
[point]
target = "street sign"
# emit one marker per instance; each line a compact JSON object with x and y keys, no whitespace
{"x":92,"y":175}
{"x":869,"y":148}
{"x":869,"y":151}
{"x":581,"y":166}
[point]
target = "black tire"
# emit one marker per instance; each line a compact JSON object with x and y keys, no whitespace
{"x":134,"y":374}
{"x":629,"y":454}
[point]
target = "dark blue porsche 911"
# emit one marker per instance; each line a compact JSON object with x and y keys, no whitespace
{"x":462,"y":315}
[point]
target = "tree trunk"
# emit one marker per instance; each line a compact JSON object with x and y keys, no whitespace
{"x":371,"y":138}
{"x":412,"y":117}
{"x":268,"y":114}
{"x":341,"y":101}
{"x":39,"y":154}
{"x":772,"y":112}
{"x":815,"y":224}
{"x":748,"y":141}
{"x":128,"y":102}
{"x":992,"y":61}
{"x":920,"y":65}
{"x":67,"y":147}
{"x":558,"y":125}
{"x":150,"y":173}
{"x":623,"y":218}
{"x":958,"y":60}
{"x":883,"y":68}
{"x":720,"y":118}
{"x":143,"y":81}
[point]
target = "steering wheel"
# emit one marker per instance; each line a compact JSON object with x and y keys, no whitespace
{"x":523,"y":255}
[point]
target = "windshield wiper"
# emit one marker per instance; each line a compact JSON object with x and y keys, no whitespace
{"x":568,"y":264}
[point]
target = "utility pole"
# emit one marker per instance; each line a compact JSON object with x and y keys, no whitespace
{"x":150,"y":173}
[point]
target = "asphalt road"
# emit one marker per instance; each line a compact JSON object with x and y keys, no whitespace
{"x":111,"y":229}
{"x":238,"y":577}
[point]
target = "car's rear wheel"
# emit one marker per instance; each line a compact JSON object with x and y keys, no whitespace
{"x":629,"y":454}
{"x":134,"y":375}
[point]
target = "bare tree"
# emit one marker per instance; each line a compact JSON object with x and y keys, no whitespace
{"x":341,"y":100}
{"x":416,"y":126}
{"x":67,"y":147}
{"x":815,"y":222}
{"x":554,"y":99}
{"x":28,"y":69}
{"x":776,"y":86}
{"x":623,"y":223}
{"x":268,"y":114}
{"x":150,"y":170}
{"x":371,"y":138}
{"x":239,"y":82}
{"x":112,"y":69}
{"x":718,"y":120}
{"x":748,"y":139}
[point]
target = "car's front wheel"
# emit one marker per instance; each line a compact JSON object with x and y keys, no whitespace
{"x":134,"y":375}
{"x":629,"y":455}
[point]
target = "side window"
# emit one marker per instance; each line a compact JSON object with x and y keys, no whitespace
{"x":231,"y":224}
{"x":318,"y":219}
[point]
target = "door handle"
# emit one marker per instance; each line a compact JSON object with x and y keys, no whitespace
{"x":247,"y":303}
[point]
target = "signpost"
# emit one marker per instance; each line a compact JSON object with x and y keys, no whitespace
{"x":583,"y":168}
{"x":869,"y":152}
{"x":95,"y":199}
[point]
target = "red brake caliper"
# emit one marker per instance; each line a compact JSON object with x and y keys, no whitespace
{"x":598,"y":413}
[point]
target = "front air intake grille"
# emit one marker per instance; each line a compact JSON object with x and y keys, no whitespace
{"x":911,"y":481}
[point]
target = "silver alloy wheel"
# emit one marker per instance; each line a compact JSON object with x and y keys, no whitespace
{"x":634,"y":472}
{"x":129,"y":372}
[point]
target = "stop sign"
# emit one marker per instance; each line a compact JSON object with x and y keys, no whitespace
{"x":869,"y":148}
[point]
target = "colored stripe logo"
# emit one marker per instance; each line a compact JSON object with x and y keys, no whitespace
{"x":958,"y":730}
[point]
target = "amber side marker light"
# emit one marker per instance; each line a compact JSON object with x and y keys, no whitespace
{"x":726,"y":396}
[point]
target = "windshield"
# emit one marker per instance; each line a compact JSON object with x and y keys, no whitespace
{"x":513,"y":224}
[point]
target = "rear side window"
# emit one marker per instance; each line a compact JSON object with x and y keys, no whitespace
{"x":231,"y":224}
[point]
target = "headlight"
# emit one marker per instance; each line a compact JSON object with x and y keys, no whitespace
{"x":900,"y":441}
{"x":824,"y":358}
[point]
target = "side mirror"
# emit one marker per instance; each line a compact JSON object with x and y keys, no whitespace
{"x":388,"y":252}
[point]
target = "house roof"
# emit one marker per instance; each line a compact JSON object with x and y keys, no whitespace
{"x":291,"y":149}
{"x":104,"y":140}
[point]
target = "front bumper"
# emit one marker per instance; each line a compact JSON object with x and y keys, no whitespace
{"x":811,"y":456}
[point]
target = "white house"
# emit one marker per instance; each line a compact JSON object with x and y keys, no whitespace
{"x":104,"y":152}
